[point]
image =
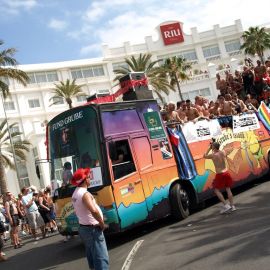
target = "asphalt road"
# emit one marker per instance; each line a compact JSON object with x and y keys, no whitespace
{"x":205,"y":240}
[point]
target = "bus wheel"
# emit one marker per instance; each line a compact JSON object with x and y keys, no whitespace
{"x":179,"y":200}
{"x":268,"y":160}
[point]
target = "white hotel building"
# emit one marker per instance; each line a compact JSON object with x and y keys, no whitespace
{"x":31,"y":107}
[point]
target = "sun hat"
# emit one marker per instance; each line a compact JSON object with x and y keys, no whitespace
{"x":79,"y":176}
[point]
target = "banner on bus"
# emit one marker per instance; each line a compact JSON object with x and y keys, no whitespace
{"x":154,"y":125}
{"x":201,"y":130}
{"x":245,"y":122}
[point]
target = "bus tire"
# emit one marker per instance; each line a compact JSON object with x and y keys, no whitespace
{"x":268,"y":161}
{"x":179,"y":200}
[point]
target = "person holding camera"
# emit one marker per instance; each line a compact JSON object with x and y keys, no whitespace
{"x":223,"y":179}
{"x":34,"y":218}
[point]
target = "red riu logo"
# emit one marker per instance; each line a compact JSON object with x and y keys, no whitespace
{"x":172,"y":33}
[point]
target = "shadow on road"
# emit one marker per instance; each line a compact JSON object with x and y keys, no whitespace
{"x":43,"y":255}
{"x":224,"y":232}
{"x":49,"y":253}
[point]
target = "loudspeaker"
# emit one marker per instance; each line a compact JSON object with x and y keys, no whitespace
{"x":135,"y":92}
{"x":91,"y":98}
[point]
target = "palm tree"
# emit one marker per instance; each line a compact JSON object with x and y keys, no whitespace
{"x":154,"y":73}
{"x":67,"y":90}
{"x":256,"y":41}
{"x":176,"y":67}
{"x":8,"y":70}
{"x":6,"y":152}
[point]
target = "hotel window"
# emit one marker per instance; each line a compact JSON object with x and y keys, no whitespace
{"x":76,"y":74}
{"x":52,"y":76}
{"x":232,"y":45}
{"x":205,"y":92}
{"x":211,"y":51}
{"x":43,"y":77}
{"x":40,"y":77}
{"x":57,"y":100}
{"x":81,"y":98}
{"x":32,"y":78}
{"x":98,"y":71}
{"x":23,"y":174}
{"x":15,"y":129}
{"x":33,"y":103}
{"x":189,"y":56}
{"x":88,"y":72}
{"x":9,"y":105}
{"x":103,"y":93}
{"x":120,"y":65}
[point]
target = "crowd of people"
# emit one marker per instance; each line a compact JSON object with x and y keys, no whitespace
{"x":240,"y":92}
{"x":24,"y":215}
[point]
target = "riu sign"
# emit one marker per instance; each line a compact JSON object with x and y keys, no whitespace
{"x":172,"y":33}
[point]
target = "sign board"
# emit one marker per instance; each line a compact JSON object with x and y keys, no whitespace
{"x":245,"y":122}
{"x":171,"y":33}
{"x":154,"y":125}
{"x":201,"y":130}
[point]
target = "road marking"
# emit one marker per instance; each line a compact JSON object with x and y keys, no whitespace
{"x":131,"y":255}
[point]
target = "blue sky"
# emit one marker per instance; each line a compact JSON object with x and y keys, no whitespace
{"x":58,"y":30}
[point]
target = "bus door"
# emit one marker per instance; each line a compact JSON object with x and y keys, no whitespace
{"x":127,"y":184}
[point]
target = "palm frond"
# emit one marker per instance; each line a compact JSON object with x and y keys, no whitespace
{"x":67,"y":90}
{"x":4,"y":89}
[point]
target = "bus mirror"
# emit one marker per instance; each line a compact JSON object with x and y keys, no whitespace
{"x":37,"y":171}
{"x":112,"y":150}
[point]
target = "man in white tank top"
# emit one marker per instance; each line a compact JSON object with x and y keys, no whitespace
{"x":91,"y":221}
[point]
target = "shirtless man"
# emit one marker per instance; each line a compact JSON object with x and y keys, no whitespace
{"x":172,"y":114}
{"x":215,"y":110}
{"x":229,"y":78}
{"x":201,"y":104}
{"x":226,"y":107}
{"x":222,"y":179}
{"x":221,"y":85}
{"x":182,"y":111}
{"x":260,"y":73}
{"x":239,"y":104}
{"x":251,"y":100}
{"x":191,"y":112}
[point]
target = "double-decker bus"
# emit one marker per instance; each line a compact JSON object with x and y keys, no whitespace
{"x":162,"y":170}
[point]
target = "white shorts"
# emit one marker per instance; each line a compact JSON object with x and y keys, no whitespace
{"x":35,"y":220}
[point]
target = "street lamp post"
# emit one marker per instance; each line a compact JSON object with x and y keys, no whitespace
{"x":11,"y":141}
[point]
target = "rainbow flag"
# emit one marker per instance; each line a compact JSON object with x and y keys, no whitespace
{"x":264,"y":115}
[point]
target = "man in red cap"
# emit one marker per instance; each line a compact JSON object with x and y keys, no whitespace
{"x":91,"y":221}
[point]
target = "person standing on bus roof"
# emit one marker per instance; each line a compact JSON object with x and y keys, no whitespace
{"x":223,"y":179}
{"x":91,"y":221}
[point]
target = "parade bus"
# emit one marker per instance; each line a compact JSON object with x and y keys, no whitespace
{"x":162,"y":171}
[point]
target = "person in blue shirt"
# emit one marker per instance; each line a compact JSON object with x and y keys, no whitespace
{"x":34,"y":218}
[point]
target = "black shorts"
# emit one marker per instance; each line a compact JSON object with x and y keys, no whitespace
{"x":15,"y":220}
